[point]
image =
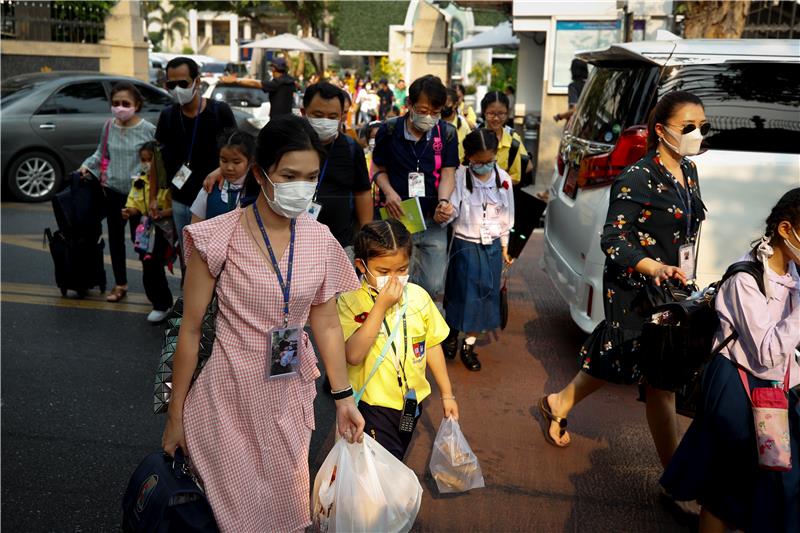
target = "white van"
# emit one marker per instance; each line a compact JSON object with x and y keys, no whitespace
{"x":751,"y":92}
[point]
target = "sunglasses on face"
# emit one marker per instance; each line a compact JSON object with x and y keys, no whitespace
{"x":689,"y":128}
{"x":183,"y":84}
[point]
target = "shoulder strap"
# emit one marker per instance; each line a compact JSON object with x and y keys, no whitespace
{"x":391,"y":125}
{"x":512,"y":152}
{"x":360,"y":393}
{"x":754,"y":268}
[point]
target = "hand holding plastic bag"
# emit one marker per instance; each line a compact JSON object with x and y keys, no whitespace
{"x":453,"y":465}
{"x":362,"y":487}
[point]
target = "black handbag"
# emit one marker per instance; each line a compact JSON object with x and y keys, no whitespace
{"x":163,"y":496}
{"x":504,"y":302}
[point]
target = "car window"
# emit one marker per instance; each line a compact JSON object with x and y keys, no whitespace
{"x":614,"y":98}
{"x":752,"y":107}
{"x":80,"y":97}
{"x":238,"y":96}
{"x":213,"y":68}
{"x":154,"y":100}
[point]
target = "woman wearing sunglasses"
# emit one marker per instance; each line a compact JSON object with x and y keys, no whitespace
{"x":114,"y":161}
{"x":653,"y":218}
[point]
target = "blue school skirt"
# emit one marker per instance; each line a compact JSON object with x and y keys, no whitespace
{"x":717,"y":460}
{"x":472,"y":289}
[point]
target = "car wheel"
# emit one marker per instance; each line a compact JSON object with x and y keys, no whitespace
{"x":34,"y":177}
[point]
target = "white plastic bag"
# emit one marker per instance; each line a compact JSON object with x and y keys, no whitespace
{"x":362,"y":487}
{"x":453,"y":465}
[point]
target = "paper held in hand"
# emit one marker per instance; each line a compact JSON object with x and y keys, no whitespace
{"x":412,"y":219}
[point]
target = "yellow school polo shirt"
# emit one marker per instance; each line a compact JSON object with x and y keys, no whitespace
{"x":502,"y":156}
{"x":426,"y":328}
{"x":462,"y":131}
{"x":139,"y":198}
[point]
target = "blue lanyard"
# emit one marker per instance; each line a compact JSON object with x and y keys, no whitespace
{"x":194,"y":132}
{"x":322,"y":175}
{"x":285,"y":287}
{"x":687,"y":204}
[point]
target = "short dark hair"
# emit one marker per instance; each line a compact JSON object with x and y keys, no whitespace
{"x":326,"y":91}
{"x":477,"y":141}
{"x":433,"y":88}
{"x":664,"y":109}
{"x":453,"y":95}
{"x":579,"y":69}
{"x":149,"y":146}
{"x":128,"y":87}
{"x":382,"y":237}
{"x":787,"y":208}
{"x":176,"y":62}
{"x":510,"y":88}
{"x":460,"y":88}
{"x":235,"y":138}
{"x":492,"y":97}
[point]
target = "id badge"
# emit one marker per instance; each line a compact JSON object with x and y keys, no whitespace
{"x":314,"y":209}
{"x":416,"y":184}
{"x":283,"y":352}
{"x":181,"y":176}
{"x":486,"y":235}
{"x":686,"y":260}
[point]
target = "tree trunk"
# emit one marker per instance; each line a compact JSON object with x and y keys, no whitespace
{"x":717,"y":19}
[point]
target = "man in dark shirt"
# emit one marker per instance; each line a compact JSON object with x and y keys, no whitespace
{"x":420,"y":142}
{"x":344,"y":193}
{"x":187,"y":133}
{"x":280,"y":88}
{"x":386,"y":99}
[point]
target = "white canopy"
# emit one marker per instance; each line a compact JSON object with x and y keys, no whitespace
{"x":499,"y":36}
{"x":324,"y":48}
{"x":285,"y":41}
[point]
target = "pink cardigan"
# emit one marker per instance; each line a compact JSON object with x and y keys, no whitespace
{"x":769,"y":331}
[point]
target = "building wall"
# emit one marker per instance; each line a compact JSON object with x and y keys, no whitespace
{"x":429,"y":51}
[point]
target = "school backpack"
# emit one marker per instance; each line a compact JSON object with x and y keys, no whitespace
{"x":677,"y":337}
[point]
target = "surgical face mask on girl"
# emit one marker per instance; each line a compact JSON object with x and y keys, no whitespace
{"x":481,"y":169}
{"x":423,"y":122}
{"x":292,"y":198}
{"x":794,"y":251}
{"x":183,"y":96}
{"x":688,"y":143}
{"x":124,"y":114}
{"x":326,"y":128}
{"x":382,"y":281}
{"x":146,"y":167}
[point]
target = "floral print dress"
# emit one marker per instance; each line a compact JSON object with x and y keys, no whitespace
{"x":650,"y":215}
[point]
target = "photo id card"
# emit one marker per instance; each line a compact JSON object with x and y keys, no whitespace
{"x":416,"y":184}
{"x":686,"y":260}
{"x":486,"y":234}
{"x":181,"y":176}
{"x":314,"y":209}
{"x":283,"y":352}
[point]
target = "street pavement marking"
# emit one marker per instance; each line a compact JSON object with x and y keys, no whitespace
{"x":42,"y":206}
{"x":34,"y":242}
{"x":28,"y":293}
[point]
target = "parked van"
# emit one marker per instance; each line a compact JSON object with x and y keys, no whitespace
{"x":751,"y":92}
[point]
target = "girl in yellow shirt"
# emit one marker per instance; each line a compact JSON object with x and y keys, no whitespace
{"x":393,"y":332}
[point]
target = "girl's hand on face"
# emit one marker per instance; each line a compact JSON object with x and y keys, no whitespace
{"x":390,"y":294}
{"x":664,"y":272}
{"x":450,"y":408}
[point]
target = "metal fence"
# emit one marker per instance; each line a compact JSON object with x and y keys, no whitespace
{"x":768,"y":19}
{"x":63,"y":22}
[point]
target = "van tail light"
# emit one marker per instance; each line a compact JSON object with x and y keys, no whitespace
{"x":560,"y":164}
{"x":601,"y":170}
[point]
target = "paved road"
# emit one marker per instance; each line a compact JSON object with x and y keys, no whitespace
{"x":77,"y":378}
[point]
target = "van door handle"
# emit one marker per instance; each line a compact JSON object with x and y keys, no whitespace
{"x":47,"y":126}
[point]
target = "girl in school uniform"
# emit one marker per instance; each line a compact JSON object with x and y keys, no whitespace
{"x":717,"y":461}
{"x":483,"y":215}
{"x":393,"y":332}
{"x":236,"y":153}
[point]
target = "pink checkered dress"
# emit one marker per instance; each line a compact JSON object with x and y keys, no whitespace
{"x":248,"y":437}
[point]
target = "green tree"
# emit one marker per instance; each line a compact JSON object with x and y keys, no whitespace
{"x":173,"y":21}
{"x":391,"y":70}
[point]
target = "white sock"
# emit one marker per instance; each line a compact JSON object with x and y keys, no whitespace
{"x":470,"y":340}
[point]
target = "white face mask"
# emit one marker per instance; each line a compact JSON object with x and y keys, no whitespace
{"x":794,"y":251}
{"x":423,"y":122}
{"x":291,"y":199}
{"x":382,"y":281}
{"x":326,"y":128}
{"x":146,"y":168}
{"x":183,"y":96}
{"x":689,"y":142}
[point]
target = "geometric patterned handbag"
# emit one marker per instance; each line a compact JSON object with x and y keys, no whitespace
{"x":163,"y":385}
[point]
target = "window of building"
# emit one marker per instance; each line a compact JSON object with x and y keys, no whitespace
{"x":220,"y":33}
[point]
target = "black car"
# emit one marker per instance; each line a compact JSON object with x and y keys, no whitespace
{"x":52,"y":122}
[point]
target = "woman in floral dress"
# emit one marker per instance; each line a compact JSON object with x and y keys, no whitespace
{"x":655,"y":211}
{"x":246,"y":422}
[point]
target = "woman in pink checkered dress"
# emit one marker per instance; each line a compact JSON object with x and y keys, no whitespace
{"x":247,"y":420}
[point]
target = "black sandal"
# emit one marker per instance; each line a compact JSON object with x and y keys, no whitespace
{"x":547,"y":418}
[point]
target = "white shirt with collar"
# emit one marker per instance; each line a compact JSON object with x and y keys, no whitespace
{"x":485,"y":205}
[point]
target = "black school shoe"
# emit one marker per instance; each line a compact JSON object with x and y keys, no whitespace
{"x":450,"y":345}
{"x":469,"y":357}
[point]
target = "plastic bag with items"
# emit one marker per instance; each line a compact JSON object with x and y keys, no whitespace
{"x":362,"y":487}
{"x":453,"y":465}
